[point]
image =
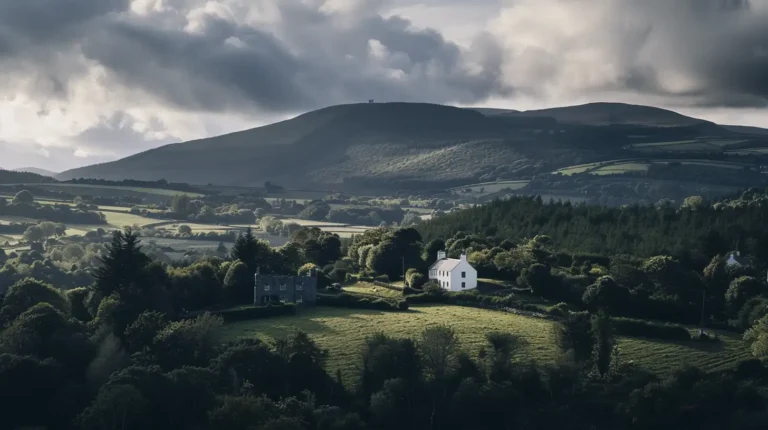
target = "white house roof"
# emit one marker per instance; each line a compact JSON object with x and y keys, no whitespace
{"x":738,"y":259}
{"x":445,"y":265}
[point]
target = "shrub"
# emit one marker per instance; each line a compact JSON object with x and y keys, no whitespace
{"x":559,"y":310}
{"x":382,"y":278}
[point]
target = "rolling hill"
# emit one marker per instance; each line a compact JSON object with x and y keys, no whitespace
{"x":612,"y":114}
{"x":392,"y":146}
{"x":37,"y":171}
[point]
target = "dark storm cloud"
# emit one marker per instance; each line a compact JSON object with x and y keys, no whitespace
{"x":719,"y":43}
{"x":228,"y":66}
{"x":311,"y":57}
{"x":200,"y":71}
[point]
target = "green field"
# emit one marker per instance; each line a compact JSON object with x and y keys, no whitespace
{"x":579,"y":168}
{"x":696,"y":145}
{"x":612,"y":169}
{"x":122,"y":219}
{"x":369,"y":289}
{"x":637,"y":165}
{"x":491,"y":187}
{"x":342,"y":332}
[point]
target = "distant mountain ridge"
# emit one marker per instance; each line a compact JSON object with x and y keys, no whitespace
{"x":36,"y":170}
{"x":404,"y":146}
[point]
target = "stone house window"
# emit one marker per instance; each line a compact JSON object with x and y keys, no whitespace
{"x":299,"y":299}
{"x":267,"y":287}
{"x":283,"y":287}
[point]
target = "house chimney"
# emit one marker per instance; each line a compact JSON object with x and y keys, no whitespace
{"x":440,"y":255}
{"x":463,"y":257}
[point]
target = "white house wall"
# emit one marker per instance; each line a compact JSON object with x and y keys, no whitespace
{"x":456,"y":279}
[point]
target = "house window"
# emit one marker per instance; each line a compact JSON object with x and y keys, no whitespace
{"x":267,"y":287}
{"x":299,"y":299}
{"x":463,"y":274}
{"x":463,"y":285}
{"x":282,"y":287}
{"x":299,"y":287}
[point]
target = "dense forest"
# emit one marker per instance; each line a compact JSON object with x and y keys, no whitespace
{"x":697,"y":231}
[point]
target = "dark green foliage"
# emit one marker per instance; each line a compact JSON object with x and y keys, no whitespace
{"x":751,"y":312}
{"x":23,"y":197}
{"x":606,"y":294}
{"x":385,"y":358}
{"x":189,"y":342}
{"x":239,"y":283}
{"x":198,"y":286}
{"x":604,"y":344}
{"x":123,"y":266}
{"x":45,"y":332}
{"x":415,"y":279}
{"x":636,"y":230}
{"x":431,"y":249}
{"x":254,"y":253}
{"x":740,"y":291}
{"x":573,"y":334}
{"x":59,"y":213}
{"x":140,"y":335}
{"x":27,"y":293}
{"x":77,"y":300}
{"x":29,"y":388}
{"x":539,"y":278}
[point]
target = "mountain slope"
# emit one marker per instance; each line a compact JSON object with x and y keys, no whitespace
{"x":394,"y":146}
{"x":304,"y":150}
{"x":743,"y":129}
{"x":37,"y":171}
{"x":614,"y":113}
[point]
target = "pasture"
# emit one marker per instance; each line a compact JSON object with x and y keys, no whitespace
{"x":695,"y":145}
{"x":615,"y":167}
{"x":490,"y":187}
{"x":343,"y":331}
{"x":369,"y":289}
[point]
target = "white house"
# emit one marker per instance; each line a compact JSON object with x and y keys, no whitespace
{"x":735,"y":259}
{"x":452,"y":274}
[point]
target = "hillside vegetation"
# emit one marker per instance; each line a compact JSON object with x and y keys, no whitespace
{"x":380,"y":148}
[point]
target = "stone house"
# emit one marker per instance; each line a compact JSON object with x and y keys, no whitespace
{"x":300,"y":290}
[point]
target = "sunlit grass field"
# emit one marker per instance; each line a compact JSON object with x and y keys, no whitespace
{"x":343,"y":331}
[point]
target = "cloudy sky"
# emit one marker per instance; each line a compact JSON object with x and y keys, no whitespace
{"x":86,"y":81}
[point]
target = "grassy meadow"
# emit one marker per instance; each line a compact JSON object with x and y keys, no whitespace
{"x":636,"y":165}
{"x":343,"y":331}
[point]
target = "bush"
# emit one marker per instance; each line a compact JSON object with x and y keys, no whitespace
{"x":256,"y":312}
{"x":382,"y":278}
{"x":640,"y":328}
{"x":346,"y":300}
{"x":559,"y":310}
